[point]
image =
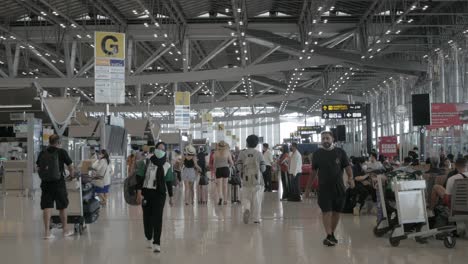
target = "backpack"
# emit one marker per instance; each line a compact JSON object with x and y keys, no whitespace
{"x":49,"y":167}
{"x":130,"y":189}
{"x":251,"y":170}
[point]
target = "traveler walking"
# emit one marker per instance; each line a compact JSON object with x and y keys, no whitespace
{"x":151,"y":194}
{"x":222,"y":163}
{"x":329,"y":162}
{"x":189,"y":173}
{"x":251,"y":165}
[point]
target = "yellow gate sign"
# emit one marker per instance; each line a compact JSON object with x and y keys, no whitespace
{"x":109,"y":45}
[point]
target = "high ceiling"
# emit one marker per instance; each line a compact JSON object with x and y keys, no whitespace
{"x":288,"y":54}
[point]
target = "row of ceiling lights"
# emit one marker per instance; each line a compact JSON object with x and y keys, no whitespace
{"x":340,"y":81}
{"x":247,"y":82}
{"x":378,"y":89}
{"x":315,"y":106}
{"x":377,"y":46}
{"x":451,"y":44}
{"x":205,"y":89}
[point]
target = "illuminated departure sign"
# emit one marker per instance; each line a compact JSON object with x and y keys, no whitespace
{"x":309,"y":130}
{"x":342,"y":111}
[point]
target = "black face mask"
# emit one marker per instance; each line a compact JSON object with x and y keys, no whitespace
{"x":326,"y":145}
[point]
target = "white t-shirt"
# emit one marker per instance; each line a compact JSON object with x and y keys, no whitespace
{"x":451,"y":182}
{"x":268,"y":157}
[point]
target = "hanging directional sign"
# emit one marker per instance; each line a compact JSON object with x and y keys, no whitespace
{"x":182,"y":110}
{"x":342,"y":111}
{"x":109,"y":67}
{"x":309,"y":130}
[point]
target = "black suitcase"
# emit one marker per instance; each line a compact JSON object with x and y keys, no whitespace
{"x":91,"y":210}
{"x":87,"y":191}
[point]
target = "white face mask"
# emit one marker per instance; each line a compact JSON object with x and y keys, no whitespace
{"x":364,"y":167}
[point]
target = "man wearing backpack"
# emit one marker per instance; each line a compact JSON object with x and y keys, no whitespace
{"x":51,"y":170}
{"x":252,"y":165}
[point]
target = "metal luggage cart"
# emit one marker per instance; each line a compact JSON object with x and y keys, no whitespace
{"x":383,"y":221}
{"x":75,"y":214}
{"x":459,"y":206}
{"x":411,"y":208}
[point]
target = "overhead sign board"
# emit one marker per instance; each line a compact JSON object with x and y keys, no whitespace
{"x":309,"y":130}
{"x":109,"y":67}
{"x":182,"y":110}
{"x":342,"y":111}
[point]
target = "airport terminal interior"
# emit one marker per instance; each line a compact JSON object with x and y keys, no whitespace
{"x":233,"y":131}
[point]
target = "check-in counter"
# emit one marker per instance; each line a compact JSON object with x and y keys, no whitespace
{"x":15,"y":177}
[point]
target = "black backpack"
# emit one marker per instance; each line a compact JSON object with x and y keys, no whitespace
{"x":49,"y":168}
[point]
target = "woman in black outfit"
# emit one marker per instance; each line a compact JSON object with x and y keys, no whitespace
{"x":363,"y":187}
{"x":151,"y":194}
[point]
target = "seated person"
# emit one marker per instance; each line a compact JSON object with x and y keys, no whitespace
{"x":364,"y":186}
{"x":439,"y":192}
{"x":406,"y":166}
{"x":459,"y":168}
{"x":374,"y":164}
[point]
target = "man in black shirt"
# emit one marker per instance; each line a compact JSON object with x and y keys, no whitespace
{"x":329,"y":163}
{"x":55,"y":191}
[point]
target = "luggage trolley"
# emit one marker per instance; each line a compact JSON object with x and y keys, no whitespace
{"x":411,"y":209}
{"x":75,"y":207}
{"x":387,"y":216}
{"x":459,"y":207}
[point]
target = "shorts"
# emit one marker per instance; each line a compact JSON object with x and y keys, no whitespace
{"x":329,"y":204}
{"x":104,"y":189}
{"x":54,"y":192}
{"x":189,"y":174}
{"x":223,"y":172}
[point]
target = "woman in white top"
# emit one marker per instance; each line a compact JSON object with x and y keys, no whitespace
{"x":102,"y":179}
{"x":222,"y":164}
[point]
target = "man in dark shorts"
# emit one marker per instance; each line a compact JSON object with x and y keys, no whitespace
{"x":55,"y":191}
{"x":329,"y":162}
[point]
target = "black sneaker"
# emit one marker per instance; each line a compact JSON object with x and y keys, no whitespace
{"x":327,"y":242}
{"x":333,"y":239}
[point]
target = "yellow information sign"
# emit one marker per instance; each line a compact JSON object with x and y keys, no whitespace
{"x":182,"y":98}
{"x":228,"y":133}
{"x":207,"y":118}
{"x":109,"y":45}
{"x":342,"y":107}
{"x":221,"y":127}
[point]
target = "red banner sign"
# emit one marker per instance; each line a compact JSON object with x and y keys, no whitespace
{"x":388,"y":146}
{"x":446,"y":115}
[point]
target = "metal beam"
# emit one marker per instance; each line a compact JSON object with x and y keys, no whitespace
{"x":156,"y":55}
{"x":50,"y":65}
{"x":201,"y":106}
{"x":265,"y":55}
{"x":3,"y":74}
{"x":217,"y":74}
{"x":88,"y":66}
{"x":234,"y":87}
{"x":213,"y":53}
{"x":198,"y":88}
{"x":16,"y":61}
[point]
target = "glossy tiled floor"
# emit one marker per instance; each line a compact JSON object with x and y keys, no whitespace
{"x":290,"y":233}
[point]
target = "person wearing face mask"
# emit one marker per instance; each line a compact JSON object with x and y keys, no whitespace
{"x":151,"y":194}
{"x":102,"y":179}
{"x":328,"y":163}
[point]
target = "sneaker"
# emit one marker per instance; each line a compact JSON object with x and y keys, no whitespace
{"x":49,"y":237}
{"x":156,"y":248}
{"x":327,"y":242}
{"x":257,"y":222}
{"x":357,"y":210}
{"x":246,"y":216}
{"x":333,"y":239}
{"x":149,"y":244}
{"x":69,"y":233}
